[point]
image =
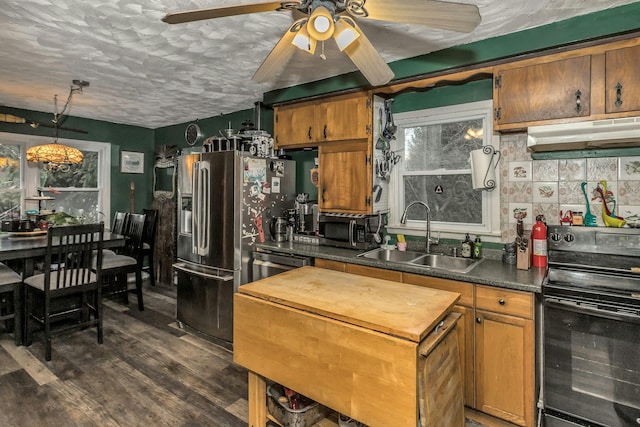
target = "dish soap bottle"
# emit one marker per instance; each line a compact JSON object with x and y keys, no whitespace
{"x":477,"y":248}
{"x":467,"y":246}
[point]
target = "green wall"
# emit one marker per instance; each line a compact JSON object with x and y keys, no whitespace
{"x":121,"y":137}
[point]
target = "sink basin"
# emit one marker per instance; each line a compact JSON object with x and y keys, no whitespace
{"x":441,"y":262}
{"x":392,"y":256}
{"x":444,"y":262}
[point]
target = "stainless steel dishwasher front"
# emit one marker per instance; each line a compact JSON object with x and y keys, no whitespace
{"x":266,"y":264}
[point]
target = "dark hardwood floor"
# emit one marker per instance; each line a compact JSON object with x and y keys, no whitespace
{"x":148,"y":372}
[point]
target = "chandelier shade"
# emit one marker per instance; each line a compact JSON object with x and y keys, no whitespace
{"x":54,"y":153}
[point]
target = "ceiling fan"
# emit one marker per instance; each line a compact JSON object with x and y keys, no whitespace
{"x":319,"y":20}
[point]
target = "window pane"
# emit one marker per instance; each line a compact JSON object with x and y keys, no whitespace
{"x":458,"y":202}
{"x":9,"y":180}
{"x":441,"y":146}
{"x":76,"y":203}
{"x":84,"y":175}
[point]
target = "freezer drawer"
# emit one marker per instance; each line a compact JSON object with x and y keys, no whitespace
{"x":205,"y":302}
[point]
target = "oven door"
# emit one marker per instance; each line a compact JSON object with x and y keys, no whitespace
{"x":591,"y":362}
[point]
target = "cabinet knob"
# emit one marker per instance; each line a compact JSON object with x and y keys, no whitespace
{"x":478,"y":320}
{"x":501,"y":301}
{"x":578,"y":101}
{"x":324,"y":132}
{"x":309,"y":132}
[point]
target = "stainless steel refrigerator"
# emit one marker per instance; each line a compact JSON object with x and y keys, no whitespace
{"x":226,"y":201}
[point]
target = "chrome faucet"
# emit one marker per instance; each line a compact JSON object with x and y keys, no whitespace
{"x":429,"y":241}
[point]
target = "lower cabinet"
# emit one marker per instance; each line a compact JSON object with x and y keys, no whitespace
{"x":505,"y":354}
{"x":496,"y":338}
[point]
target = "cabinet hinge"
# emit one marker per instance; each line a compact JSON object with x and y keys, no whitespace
{"x":367,"y":201}
{"x":497,"y":113}
{"x":498,"y":81}
{"x":368,"y":129}
{"x":368,"y":160}
{"x":369,"y":103}
{"x":276,"y":118}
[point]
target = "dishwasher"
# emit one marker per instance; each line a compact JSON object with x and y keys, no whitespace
{"x":266,"y":264}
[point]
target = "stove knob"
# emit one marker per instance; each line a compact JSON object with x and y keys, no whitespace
{"x":569,"y":238}
{"x":556,"y":237}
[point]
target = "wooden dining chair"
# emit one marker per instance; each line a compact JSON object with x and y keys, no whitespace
{"x":116,"y":268}
{"x":69,"y":289}
{"x":119,"y":224}
{"x":149,"y":241}
{"x":10,"y":283}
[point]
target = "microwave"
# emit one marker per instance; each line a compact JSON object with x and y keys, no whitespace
{"x":347,"y":230}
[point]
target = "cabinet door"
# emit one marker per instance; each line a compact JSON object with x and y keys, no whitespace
{"x":294,"y":126}
{"x":622,"y":87}
{"x":504,"y":354}
{"x":345,"y":178}
{"x":548,"y":91}
{"x":344,"y":119}
{"x":330,"y":265}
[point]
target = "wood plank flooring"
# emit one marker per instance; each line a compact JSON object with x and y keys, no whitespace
{"x":148,"y":372}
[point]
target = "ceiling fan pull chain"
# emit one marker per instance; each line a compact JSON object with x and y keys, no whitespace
{"x":322,"y":55}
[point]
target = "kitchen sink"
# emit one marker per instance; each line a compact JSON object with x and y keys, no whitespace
{"x":435,"y":261}
{"x":445,"y":262}
{"x":392,"y":256}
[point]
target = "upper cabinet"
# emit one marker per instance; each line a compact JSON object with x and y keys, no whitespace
{"x":594,"y":83}
{"x":308,"y":124}
{"x":547,"y":91}
{"x":622,"y":88}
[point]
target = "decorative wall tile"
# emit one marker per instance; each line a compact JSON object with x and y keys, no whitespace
{"x":545,"y":170}
{"x":519,"y":192}
{"x":629,"y":210}
{"x":570,"y":193}
{"x":525,"y":208}
{"x":545,"y":192}
{"x":629,"y":168}
{"x":572,"y":169}
{"x":519,"y":171}
{"x":602,"y":168}
{"x":549,"y":210}
{"x":629,"y":192}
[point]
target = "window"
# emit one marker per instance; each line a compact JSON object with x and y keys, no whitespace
{"x":434,"y":145}
{"x":10,"y":182}
{"x":84,"y":191}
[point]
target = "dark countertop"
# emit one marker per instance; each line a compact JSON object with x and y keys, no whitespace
{"x":490,"y":272}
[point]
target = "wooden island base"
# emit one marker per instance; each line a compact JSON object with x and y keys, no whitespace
{"x":384,"y":353}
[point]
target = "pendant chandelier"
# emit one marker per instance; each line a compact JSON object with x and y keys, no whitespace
{"x":56,"y":156}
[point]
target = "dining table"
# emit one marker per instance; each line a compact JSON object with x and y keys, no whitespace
{"x":23,"y":250}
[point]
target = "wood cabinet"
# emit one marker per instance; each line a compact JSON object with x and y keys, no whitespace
{"x":311,"y":123}
{"x":594,"y":83}
{"x":505,"y":354}
{"x":345,"y":177}
{"x":547,"y":91}
{"x":622,"y":89}
{"x":465,"y":326}
{"x":361,"y":270}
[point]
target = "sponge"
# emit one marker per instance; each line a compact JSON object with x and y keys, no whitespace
{"x":401,"y":238}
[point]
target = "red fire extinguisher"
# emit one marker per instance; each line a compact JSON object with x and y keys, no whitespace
{"x":539,"y":239}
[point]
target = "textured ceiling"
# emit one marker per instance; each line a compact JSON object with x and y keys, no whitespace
{"x":148,"y":73}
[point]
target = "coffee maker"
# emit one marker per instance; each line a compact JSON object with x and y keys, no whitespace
{"x":306,"y":215}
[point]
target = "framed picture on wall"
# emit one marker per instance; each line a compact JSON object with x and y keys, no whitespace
{"x":131,"y":162}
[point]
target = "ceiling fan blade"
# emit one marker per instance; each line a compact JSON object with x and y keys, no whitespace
{"x":279,"y":55}
{"x":431,"y":13}
{"x":368,"y":60}
{"x":219,"y":12}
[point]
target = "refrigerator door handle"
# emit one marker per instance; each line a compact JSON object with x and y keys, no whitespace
{"x":183,"y":267}
{"x":195,"y":216}
{"x":205,"y":209}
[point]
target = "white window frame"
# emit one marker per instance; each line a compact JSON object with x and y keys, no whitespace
{"x":30,"y":172}
{"x":490,"y":227}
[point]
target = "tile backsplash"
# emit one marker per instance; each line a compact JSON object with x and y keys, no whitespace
{"x":553,"y":187}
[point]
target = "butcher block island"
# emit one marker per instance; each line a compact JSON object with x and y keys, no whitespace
{"x":382,"y":352}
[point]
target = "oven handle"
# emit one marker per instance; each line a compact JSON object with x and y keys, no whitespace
{"x":587,"y":308}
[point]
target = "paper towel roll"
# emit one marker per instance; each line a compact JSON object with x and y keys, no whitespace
{"x":483,"y":172}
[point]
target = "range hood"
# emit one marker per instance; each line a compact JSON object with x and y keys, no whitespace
{"x":612,"y":133}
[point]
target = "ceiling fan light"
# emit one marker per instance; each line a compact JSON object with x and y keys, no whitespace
{"x":303,"y":41}
{"x":320,"y":25}
{"x":344,"y":34}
